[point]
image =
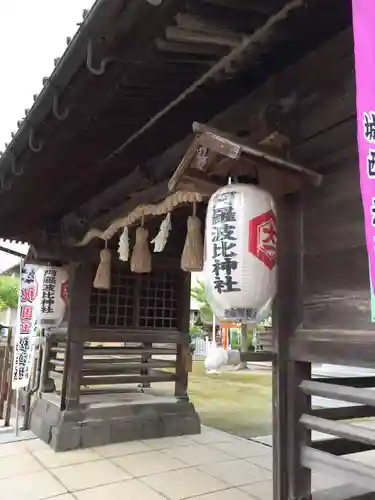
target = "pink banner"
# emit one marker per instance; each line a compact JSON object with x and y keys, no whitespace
{"x":364,"y":43}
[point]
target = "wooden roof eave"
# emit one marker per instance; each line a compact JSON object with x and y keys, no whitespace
{"x":191,"y":171}
{"x":92,"y":26}
{"x":246,"y":46}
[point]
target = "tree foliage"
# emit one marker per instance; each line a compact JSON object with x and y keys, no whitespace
{"x":198,"y":292}
{"x":9,"y":289}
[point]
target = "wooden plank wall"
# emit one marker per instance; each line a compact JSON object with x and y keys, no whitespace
{"x":313,"y":103}
{"x":336,"y":281}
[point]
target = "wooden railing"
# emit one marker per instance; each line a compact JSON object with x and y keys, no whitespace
{"x":346,"y":437}
{"x":112,"y":361}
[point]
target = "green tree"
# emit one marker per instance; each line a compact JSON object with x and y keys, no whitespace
{"x":198,"y":292}
{"x":9,"y":289}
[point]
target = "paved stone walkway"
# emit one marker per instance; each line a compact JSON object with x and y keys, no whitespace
{"x":211,"y":466}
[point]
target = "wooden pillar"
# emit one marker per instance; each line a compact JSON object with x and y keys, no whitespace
{"x":80,"y":285}
{"x":183,"y":350}
{"x":145,"y":359}
{"x":46,"y":383}
{"x":244,"y":344}
{"x":298,"y":436}
{"x":287,"y":317}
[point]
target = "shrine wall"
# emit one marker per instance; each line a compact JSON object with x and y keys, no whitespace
{"x":336,"y":278}
{"x":312,"y":103}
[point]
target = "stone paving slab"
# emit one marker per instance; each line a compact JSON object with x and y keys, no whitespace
{"x":210,"y":466}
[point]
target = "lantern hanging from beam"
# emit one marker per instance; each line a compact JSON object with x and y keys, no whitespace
{"x":240,"y":252}
{"x":52,"y":296}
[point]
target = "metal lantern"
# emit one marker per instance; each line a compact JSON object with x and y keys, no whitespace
{"x":52,"y":296}
{"x":240,"y":252}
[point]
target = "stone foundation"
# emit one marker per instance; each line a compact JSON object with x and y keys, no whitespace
{"x":98,"y":424}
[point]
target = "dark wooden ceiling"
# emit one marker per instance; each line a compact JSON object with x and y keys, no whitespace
{"x":121,"y":121}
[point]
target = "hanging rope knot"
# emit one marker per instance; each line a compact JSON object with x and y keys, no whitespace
{"x":141,"y":257}
{"x":192,"y":255}
{"x":105,"y":256}
{"x":102,"y":279}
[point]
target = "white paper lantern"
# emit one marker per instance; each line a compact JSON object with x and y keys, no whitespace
{"x":240,"y":253}
{"x":52,"y":296}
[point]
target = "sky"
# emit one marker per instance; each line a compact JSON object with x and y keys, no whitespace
{"x":32,"y":34}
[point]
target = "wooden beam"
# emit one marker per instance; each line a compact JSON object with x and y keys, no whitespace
{"x":344,"y":412}
{"x":136,"y":180}
{"x":291,"y":480}
{"x":228,"y":145}
{"x":351,"y":347}
{"x":198,"y":36}
{"x":290,"y":91}
{"x":189,"y":48}
{"x":261,"y":6}
{"x":122,"y":351}
{"x":111,"y":335}
{"x":194,"y":22}
{"x":12,"y":252}
{"x":359,"y":382}
{"x":80,"y":285}
{"x":183,"y":351}
{"x":248,"y":44}
{"x":354,"y":472}
{"x":224,"y":16}
{"x":56,"y":251}
{"x":153,"y":194}
{"x":344,"y":492}
{"x":198,"y":182}
{"x":340,"y":446}
{"x":338,"y":392}
{"x":350,"y":432}
{"x":154,"y":376}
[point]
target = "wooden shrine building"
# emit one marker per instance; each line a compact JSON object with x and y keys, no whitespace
{"x":112,"y":130}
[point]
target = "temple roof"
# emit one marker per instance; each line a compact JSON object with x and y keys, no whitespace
{"x":128,"y":87}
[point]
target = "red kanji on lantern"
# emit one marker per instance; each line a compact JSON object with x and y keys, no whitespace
{"x":263,"y":238}
{"x":64,"y":291}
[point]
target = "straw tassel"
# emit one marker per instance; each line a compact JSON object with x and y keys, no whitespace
{"x":161,"y":238}
{"x":102,"y":279}
{"x":192,"y":255}
{"x":123,"y":247}
{"x":141,"y":257}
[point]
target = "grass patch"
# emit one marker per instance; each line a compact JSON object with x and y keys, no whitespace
{"x":235,"y":402}
{"x":239,"y":403}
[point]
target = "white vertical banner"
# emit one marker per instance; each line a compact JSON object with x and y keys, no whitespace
{"x":26,"y":327}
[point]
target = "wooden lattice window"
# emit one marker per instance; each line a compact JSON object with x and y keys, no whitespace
{"x":158,"y":300}
{"x":137,"y":301}
{"x":116,"y":307}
